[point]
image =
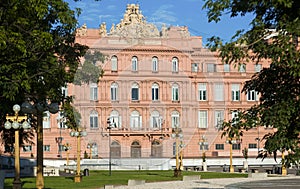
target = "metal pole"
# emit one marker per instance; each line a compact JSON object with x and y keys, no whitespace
{"x":17,"y":184}
{"x":231,"y":166}
{"x":283,"y":170}
{"x":109,"y":140}
{"x":78,"y":176}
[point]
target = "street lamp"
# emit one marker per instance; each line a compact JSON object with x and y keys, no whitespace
{"x":283,"y":170}
{"x":111,"y":124}
{"x":37,"y":108}
{"x":16,"y":122}
{"x":231,"y":141}
{"x":177,"y":134}
{"x":90,"y":146}
{"x":203,"y":142}
{"x":67,"y":147}
{"x":78,"y":133}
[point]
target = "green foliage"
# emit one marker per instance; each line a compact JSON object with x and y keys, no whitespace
{"x":73,"y":117}
{"x":273,"y":37}
{"x":89,"y":71}
{"x":38,"y":53}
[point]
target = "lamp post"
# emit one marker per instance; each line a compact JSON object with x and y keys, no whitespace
{"x":37,"y":108}
{"x":15,"y":123}
{"x":78,"y":133}
{"x":110,"y":125}
{"x":90,"y":146}
{"x":231,"y":141}
{"x":203,"y":142}
{"x":60,"y":120}
{"x":177,"y":134}
{"x":67,"y":147}
{"x":283,"y":170}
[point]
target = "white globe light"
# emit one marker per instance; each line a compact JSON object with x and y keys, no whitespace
{"x":26,"y":125}
{"x":16,"y":108}
{"x":76,"y":133}
{"x":7,"y":125}
{"x":15,"y":125}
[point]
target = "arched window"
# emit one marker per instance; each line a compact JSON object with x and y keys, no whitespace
{"x":156,"y":149}
{"x":135,"y":149}
{"x":134,"y":63}
{"x":154,"y":64}
{"x":93,"y":119}
{"x":175,"y":118}
{"x":155,"y":92}
{"x":135,"y":92}
{"x":93,"y":91}
{"x":135,"y":120}
{"x":175,"y":92}
{"x":115,"y":149}
{"x":115,"y":118}
{"x":155,"y":120}
{"x":114,"y":92}
{"x":114,"y":63}
{"x":175,"y":64}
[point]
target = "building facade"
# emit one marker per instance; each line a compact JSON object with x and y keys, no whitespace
{"x":155,"y":81}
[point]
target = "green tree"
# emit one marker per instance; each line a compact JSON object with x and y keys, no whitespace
{"x":38,"y":56}
{"x":273,"y":36}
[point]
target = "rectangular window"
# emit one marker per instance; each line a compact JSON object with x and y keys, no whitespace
{"x":242,"y":68}
{"x":134,"y":94}
{"x":202,"y":117}
{"x":93,"y":93}
{"x":113,"y":93}
{"x":134,"y":62}
{"x":258,"y":68}
{"x":252,"y":95}
{"x":154,"y":94}
{"x":202,"y":91}
{"x":155,"y":65}
{"x":135,"y":122}
{"x":211,"y":68}
{"x":175,"y":121}
{"x":226,"y":68}
{"x":195,"y":67}
{"x":235,"y":92}
{"x":46,"y":148}
{"x":234,"y":116}
{"x":219,"y":118}
{"x":252,"y":145}
{"x":27,"y":148}
{"x":155,"y":122}
{"x":219,"y":92}
{"x":93,"y":122}
{"x":175,"y":94}
{"x":219,"y":146}
{"x":236,"y":146}
{"x":114,"y":64}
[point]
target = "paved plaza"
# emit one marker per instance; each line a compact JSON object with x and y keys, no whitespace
{"x":287,"y":182}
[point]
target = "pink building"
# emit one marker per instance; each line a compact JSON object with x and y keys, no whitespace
{"x":155,"y":80}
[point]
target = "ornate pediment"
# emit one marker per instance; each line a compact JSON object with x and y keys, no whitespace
{"x":134,"y":25}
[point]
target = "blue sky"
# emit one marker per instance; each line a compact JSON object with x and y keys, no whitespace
{"x":171,"y":12}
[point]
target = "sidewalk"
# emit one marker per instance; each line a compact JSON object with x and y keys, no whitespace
{"x":200,"y":184}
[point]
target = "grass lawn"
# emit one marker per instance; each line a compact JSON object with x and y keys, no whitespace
{"x":98,"y":179}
